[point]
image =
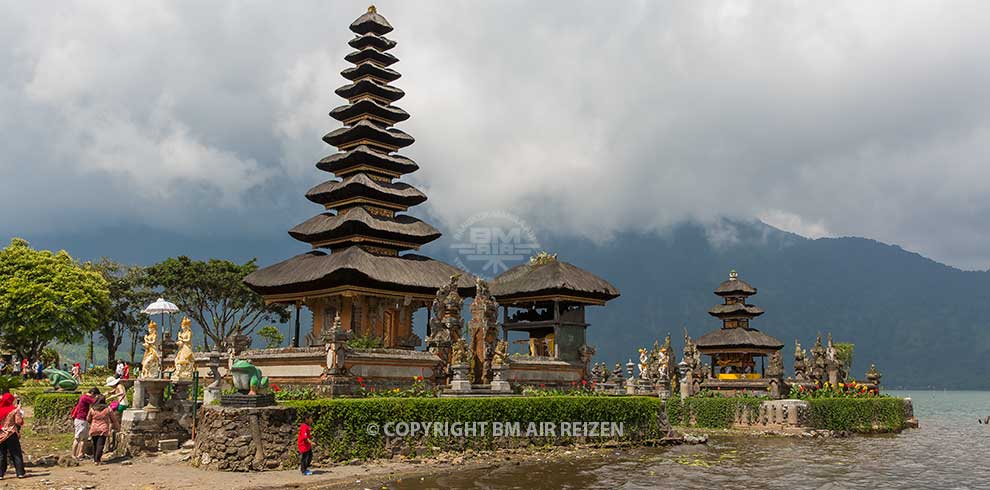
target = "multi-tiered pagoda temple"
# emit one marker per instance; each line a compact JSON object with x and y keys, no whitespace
{"x":736,"y":347}
{"x":359,"y":267}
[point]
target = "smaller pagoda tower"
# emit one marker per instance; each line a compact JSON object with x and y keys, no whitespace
{"x":735,"y":347}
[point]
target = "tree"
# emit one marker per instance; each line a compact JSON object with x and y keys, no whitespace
{"x":128,"y":296}
{"x":272,"y":335}
{"x":844,"y":354}
{"x":47,"y":296}
{"x":213,"y":294}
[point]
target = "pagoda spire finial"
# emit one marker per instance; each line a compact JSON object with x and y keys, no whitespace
{"x":372,"y":9}
{"x":733,"y":275}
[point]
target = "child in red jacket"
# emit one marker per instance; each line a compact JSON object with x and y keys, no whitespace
{"x":305,"y":445}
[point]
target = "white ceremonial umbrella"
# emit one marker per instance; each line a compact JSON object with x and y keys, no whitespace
{"x":160,"y":306}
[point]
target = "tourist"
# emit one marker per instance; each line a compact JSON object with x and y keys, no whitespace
{"x":101,"y":421}
{"x":24,"y":368}
{"x":305,"y":445}
{"x":117,"y":398}
{"x":127,"y":371}
{"x":75,"y":372}
{"x":39,"y":369}
{"x":80,"y":425}
{"x":11,"y":420}
{"x":119,"y":371}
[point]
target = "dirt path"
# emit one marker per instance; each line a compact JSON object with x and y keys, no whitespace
{"x":168,"y":472}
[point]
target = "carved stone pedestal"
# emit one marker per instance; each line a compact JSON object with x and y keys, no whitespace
{"x":460,"y":382}
{"x":499,"y":384}
{"x":154,"y":390}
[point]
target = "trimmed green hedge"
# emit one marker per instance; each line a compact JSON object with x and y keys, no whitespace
{"x":51,"y":412}
{"x":882,"y":414}
{"x":341,"y":425}
{"x":708,"y":412}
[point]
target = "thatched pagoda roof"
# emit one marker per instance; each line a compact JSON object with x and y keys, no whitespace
{"x":735,"y":310}
{"x":358,"y":221}
{"x":366,"y":130}
{"x":551,"y":278}
{"x":735,"y":286}
{"x":372,"y":40}
{"x":339,"y":163}
{"x":368,"y":86}
{"x":738,"y":338}
{"x":369,"y":107}
{"x":370,"y":54}
{"x":371,"y":23}
{"x":317,"y":270}
{"x":360,"y":185}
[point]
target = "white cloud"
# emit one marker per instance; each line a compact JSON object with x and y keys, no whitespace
{"x":845,"y":118}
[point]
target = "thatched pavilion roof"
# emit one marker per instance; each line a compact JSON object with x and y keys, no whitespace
{"x":551,"y":278}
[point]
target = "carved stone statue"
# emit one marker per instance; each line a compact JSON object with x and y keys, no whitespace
{"x":185,"y":362}
{"x":484,"y":331}
{"x":151,"y":363}
{"x":644,"y":364}
{"x":873,"y":376}
{"x":819,"y":372}
{"x":459,"y":353}
{"x":445,"y":324}
{"x":800,"y":362}
{"x":335,"y":343}
{"x":501,"y":356}
{"x":61,"y":380}
{"x":600,"y":373}
{"x":776,"y":367}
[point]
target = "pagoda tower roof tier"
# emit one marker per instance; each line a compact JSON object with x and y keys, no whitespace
{"x":366,"y":158}
{"x":352,"y":225}
{"x":737,"y":338}
{"x":371,"y":23}
{"x":738,"y":310}
{"x":355,"y":187}
{"x":364,"y":132}
{"x":369,"y":108}
{"x":370,"y":70}
{"x":735,"y":286}
{"x":548,"y":279}
{"x":370,"y":88}
{"x":318,"y":273}
{"x":370,"y":55}
{"x":372,"y":41}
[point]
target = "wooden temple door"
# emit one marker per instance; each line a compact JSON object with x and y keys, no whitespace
{"x":389,"y":327}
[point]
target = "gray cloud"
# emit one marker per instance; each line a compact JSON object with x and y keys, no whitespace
{"x":845,"y":118}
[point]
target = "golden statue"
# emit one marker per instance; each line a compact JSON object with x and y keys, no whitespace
{"x":151,"y":363}
{"x":185,"y":363}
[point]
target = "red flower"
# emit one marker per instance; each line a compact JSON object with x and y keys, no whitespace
{"x":372,"y":389}
{"x":584,"y":381}
{"x":419,"y":378}
{"x":360,"y":379}
{"x":275,"y":387}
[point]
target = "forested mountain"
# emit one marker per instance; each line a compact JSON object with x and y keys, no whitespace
{"x":923,"y":323}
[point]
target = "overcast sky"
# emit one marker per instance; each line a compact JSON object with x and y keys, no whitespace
{"x":822,"y":118}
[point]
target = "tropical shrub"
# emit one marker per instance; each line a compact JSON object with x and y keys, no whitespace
{"x":851,"y":389}
{"x":365,"y":342}
{"x":885,"y":414}
{"x":708,"y":411}
{"x":10,"y":382}
{"x":418,"y":389}
{"x":51,"y":412}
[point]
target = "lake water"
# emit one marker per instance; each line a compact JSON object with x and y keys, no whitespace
{"x":950,"y":450}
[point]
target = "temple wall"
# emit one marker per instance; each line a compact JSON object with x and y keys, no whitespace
{"x":533,"y":371}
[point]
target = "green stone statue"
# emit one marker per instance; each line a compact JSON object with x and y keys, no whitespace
{"x":61,"y":380}
{"x":248,"y":378}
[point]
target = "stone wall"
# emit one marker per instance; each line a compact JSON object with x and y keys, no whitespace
{"x":245,"y":439}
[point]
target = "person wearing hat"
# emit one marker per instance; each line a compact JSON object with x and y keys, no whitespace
{"x":117,"y":400}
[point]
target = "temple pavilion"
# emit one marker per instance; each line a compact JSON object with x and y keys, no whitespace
{"x":735,"y":348}
{"x":360,"y":266}
{"x":546,"y":298}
